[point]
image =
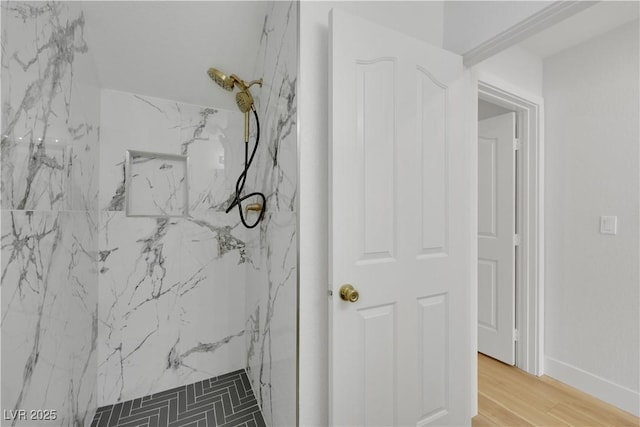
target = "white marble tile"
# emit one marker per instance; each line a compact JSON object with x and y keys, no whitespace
{"x":171,"y":303}
{"x":271,"y":295}
{"x":49,"y":149}
{"x":271,"y":325}
{"x":212,"y":139}
{"x":179,"y":299}
{"x":50,"y":109}
{"x":158,"y":185}
{"x":49,"y":314}
{"x":171,"y":290}
{"x":277,"y":63}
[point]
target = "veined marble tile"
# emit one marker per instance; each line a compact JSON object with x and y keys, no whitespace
{"x":49,"y":149}
{"x":49,"y":314}
{"x":50,"y":108}
{"x":171,"y":302}
{"x":271,"y":325}
{"x":179,"y":299}
{"x":277,"y":63}
{"x":158,"y":184}
{"x":213,"y":140}
{"x":271,"y":295}
{"x":171,"y":290}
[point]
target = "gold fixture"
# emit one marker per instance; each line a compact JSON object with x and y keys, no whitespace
{"x":244,"y":99}
{"x":245,"y":102}
{"x":224,"y":81}
{"x":256,"y":207}
{"x":349,"y":293}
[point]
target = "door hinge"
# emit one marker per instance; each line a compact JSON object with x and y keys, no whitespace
{"x":516,"y":335}
{"x":517,"y":144}
{"x":517,"y":241}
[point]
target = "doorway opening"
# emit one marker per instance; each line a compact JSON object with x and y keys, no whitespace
{"x":498,"y":230}
{"x":529,"y":296}
{"x":500,"y":97}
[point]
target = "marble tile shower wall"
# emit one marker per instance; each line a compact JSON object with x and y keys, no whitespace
{"x":271,"y":291}
{"x":49,"y":161}
{"x":99,"y":307}
{"x":171,"y":294}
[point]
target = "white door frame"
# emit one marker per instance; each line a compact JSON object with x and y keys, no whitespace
{"x":530,"y":258}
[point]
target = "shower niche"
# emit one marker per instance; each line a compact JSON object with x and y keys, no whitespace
{"x":157,"y":184}
{"x":136,"y":286}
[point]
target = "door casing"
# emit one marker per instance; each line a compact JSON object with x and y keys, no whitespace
{"x":530,"y":211}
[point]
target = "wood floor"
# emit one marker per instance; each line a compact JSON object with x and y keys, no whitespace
{"x":508,"y":396}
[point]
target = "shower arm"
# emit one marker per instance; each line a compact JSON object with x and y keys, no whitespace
{"x":251,"y":83}
{"x":243,"y":84}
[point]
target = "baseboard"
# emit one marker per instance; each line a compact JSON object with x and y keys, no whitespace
{"x":612,"y":393}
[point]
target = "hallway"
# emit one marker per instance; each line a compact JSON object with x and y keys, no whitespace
{"x":508,"y":396}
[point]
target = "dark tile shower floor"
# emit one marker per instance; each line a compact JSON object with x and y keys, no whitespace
{"x":226,"y":400}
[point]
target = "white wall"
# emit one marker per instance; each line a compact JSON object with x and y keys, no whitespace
{"x":468,"y":24}
{"x":419,"y":19}
{"x":591,"y":283}
{"x":515,"y":67}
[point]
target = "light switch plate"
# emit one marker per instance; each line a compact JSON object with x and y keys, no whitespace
{"x":608,"y":225}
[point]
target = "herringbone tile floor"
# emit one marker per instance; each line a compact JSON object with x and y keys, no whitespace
{"x":226,"y":400}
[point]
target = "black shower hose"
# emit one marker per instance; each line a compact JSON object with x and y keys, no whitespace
{"x":237,"y":201}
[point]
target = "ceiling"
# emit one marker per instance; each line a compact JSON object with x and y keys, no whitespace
{"x":164,"y":49}
{"x":594,"y":21}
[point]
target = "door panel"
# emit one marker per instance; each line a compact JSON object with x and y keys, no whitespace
{"x":379,"y":373}
{"x":434,"y":330}
{"x":400,"y":229}
{"x":376,"y":141}
{"x":496,"y":229}
{"x":432,"y":119}
{"x":487,"y":187}
{"x":487,"y":294}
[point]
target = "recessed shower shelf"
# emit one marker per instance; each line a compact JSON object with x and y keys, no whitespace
{"x":157,"y":184}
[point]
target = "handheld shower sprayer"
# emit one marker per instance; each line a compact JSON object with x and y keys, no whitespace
{"x":245,"y":102}
{"x":244,"y":99}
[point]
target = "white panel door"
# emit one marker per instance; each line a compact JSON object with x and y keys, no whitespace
{"x":400,"y":229}
{"x":496,"y":231}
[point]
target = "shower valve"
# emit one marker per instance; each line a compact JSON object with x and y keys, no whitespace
{"x":257,"y":207}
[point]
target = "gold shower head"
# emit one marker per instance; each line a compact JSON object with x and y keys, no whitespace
{"x":224,"y":81}
{"x":244,"y":99}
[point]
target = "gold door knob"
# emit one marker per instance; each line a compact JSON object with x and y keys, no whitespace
{"x":349,"y":293}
